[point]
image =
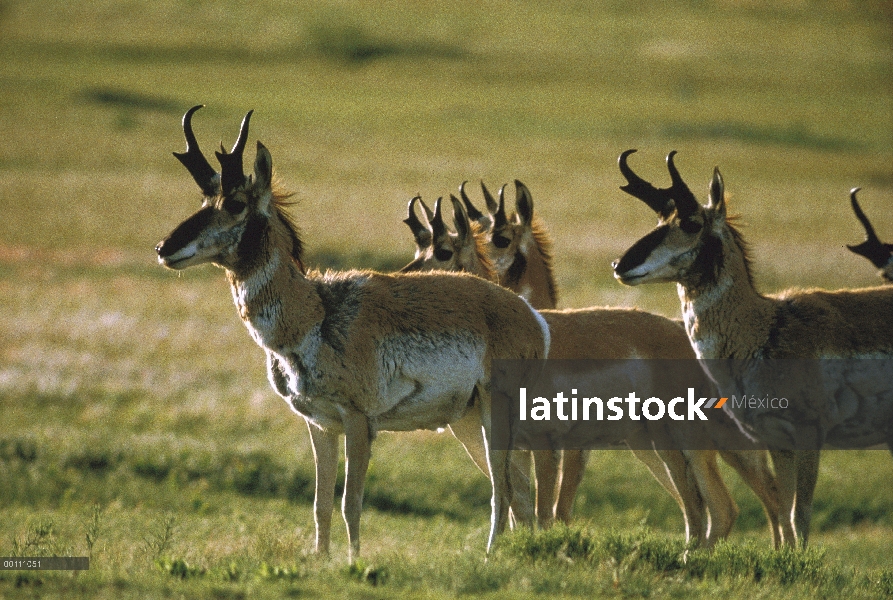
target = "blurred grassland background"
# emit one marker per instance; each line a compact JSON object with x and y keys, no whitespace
{"x":137,"y":391}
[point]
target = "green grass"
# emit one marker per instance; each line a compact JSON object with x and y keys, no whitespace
{"x":136,"y":422}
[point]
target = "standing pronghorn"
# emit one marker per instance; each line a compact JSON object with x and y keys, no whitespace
{"x":604,"y":333}
{"x":700,"y":249}
{"x":354,"y":352}
{"x":879,"y":253}
{"x":504,"y":260}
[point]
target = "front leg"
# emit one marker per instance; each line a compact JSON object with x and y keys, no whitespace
{"x":807,"y":474}
{"x":357,"y":450}
{"x":325,"y":457}
{"x":498,"y":462}
{"x":785,"y":463}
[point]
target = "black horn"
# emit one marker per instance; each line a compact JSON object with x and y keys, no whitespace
{"x":656,"y":198}
{"x":872,"y":248}
{"x":460,"y":219}
{"x":500,"y":219}
{"x":420,"y":231}
{"x":194,"y":161}
{"x":438,"y":227}
{"x":686,"y":203}
{"x":473,"y":213}
{"x":492,"y":207}
{"x":232,"y":174}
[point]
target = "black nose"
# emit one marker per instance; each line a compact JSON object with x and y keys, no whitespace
{"x":614,"y":263}
{"x":159,"y":248}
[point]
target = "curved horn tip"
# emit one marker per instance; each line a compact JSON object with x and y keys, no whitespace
{"x":670,"y":156}
{"x":247,"y":118}
{"x":854,"y":191}
{"x":412,"y":218}
{"x":188,"y":115}
{"x":239,"y":146}
{"x":624,"y":166}
{"x":625,"y":154}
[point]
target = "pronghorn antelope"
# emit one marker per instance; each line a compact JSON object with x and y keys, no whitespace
{"x":700,"y":249}
{"x":610,"y":333}
{"x":879,"y":253}
{"x":510,"y":243}
{"x":353,"y":352}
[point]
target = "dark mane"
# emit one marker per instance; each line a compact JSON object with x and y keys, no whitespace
{"x":281,"y":205}
{"x":733,"y":223}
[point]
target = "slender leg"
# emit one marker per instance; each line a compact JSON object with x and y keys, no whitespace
{"x":785,"y":463}
{"x":720,"y":504}
{"x":573,"y":467}
{"x":468,"y":431}
{"x":807,"y":475}
{"x":325,"y":456}
{"x":753,"y":467}
{"x":523,"y":510}
{"x":672,"y":471}
{"x":545,"y":463}
{"x":357,"y":451}
{"x":498,"y":463}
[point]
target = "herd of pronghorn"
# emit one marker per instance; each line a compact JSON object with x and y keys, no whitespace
{"x":359,"y":352}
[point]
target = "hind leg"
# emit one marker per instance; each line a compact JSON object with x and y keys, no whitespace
{"x":573,"y":466}
{"x":785,"y":465}
{"x":672,"y":472}
{"x":807,"y":475}
{"x":753,"y":467}
{"x":720,"y":504}
{"x":468,"y":431}
{"x":545,"y":463}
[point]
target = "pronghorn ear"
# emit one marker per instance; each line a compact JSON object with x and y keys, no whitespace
{"x":263,"y":169}
{"x":717,"y":195}
{"x":523,"y":203}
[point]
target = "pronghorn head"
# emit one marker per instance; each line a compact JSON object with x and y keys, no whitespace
{"x":518,"y":246}
{"x":880,"y":254}
{"x":687,"y":244}
{"x":438,"y":248}
{"x":237,"y":210}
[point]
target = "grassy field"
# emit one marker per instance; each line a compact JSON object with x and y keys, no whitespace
{"x":136,"y":423}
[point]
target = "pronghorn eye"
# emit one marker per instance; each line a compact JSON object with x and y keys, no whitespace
{"x":443,"y":255}
{"x":689,"y":226}
{"x":500,"y":241}
{"x":233,"y":206}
